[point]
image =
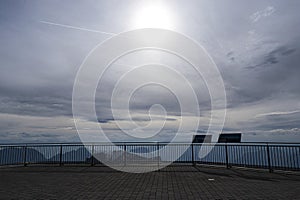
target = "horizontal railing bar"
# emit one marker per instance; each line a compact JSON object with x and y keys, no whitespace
{"x":131,"y":142}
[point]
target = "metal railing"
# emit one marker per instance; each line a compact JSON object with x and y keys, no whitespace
{"x":271,"y":156}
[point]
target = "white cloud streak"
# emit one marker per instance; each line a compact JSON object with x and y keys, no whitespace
{"x":76,"y":28}
{"x":268,"y":11}
{"x":277,"y":113}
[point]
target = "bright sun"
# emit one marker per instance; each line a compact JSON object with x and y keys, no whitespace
{"x":153,"y":16}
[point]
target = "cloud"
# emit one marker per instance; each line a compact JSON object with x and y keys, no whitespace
{"x":273,"y":57}
{"x":76,"y":28}
{"x":278,"y":113}
{"x":43,"y":47}
{"x":268,"y":11}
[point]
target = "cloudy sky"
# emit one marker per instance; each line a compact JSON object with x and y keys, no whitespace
{"x":255,"y":45}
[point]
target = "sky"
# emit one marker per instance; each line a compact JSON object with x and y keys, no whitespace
{"x":255,"y":45}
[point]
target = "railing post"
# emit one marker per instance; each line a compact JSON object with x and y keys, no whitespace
{"x":227,"y":158}
{"x":92,"y":156}
{"x":60,"y":155}
{"x":158,"y":155}
{"x":25,"y":156}
{"x":269,"y":159}
{"x":193,"y":155}
{"x":125,"y":155}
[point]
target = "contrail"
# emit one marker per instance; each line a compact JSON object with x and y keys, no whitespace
{"x":77,"y":28}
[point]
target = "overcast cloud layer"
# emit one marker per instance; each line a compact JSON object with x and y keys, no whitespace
{"x":255,"y":45}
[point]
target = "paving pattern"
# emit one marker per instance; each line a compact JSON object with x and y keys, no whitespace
{"x":173,"y":182}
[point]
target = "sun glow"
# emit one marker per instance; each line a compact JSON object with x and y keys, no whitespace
{"x":153,"y":16}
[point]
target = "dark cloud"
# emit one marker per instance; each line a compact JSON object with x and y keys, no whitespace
{"x":284,"y":120}
{"x":136,"y":119}
{"x":273,"y":57}
{"x":104,"y":121}
{"x":230,"y":56}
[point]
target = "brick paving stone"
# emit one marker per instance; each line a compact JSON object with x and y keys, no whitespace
{"x":173,"y":182}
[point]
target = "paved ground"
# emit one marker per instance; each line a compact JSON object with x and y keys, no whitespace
{"x":175,"y":182}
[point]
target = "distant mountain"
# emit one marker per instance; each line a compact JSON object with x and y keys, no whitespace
{"x":16,"y":155}
{"x":118,"y":157}
{"x":97,"y":158}
{"x":73,"y":156}
{"x":142,"y":150}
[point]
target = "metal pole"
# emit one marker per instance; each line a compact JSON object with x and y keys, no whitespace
{"x":125,"y":155}
{"x":193,"y":155}
{"x":25,"y":156}
{"x":269,"y":159}
{"x":60,"y":155}
{"x":227,"y":160}
{"x":92,"y":156}
{"x":157,"y":155}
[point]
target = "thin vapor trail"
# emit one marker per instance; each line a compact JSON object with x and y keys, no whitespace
{"x":76,"y":28}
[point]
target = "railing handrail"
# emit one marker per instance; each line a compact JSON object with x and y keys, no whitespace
{"x":150,"y":143}
{"x":284,"y":156}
